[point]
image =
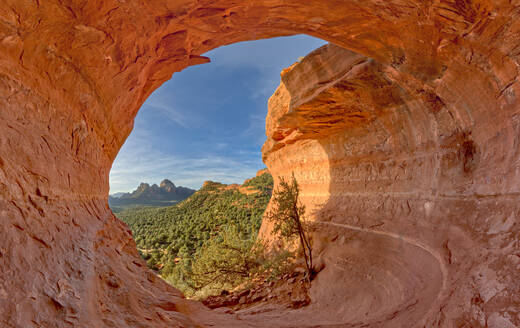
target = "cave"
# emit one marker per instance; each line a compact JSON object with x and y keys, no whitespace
{"x":403,"y":132}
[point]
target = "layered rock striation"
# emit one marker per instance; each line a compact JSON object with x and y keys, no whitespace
{"x":407,"y":152}
{"x":401,"y":193}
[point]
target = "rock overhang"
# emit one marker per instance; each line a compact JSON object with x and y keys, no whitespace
{"x":430,"y":151}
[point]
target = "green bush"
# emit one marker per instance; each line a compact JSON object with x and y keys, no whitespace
{"x":287,"y":215}
{"x":179,"y":241}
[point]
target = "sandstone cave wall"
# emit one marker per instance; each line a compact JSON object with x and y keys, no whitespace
{"x":373,"y":149}
{"x":433,"y":154}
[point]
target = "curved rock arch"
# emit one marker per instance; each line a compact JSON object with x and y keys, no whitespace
{"x":437,"y":160}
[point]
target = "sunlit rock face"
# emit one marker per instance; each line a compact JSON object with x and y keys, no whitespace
{"x":409,"y":149}
{"x":380,"y":157}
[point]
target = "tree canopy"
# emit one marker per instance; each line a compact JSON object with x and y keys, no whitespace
{"x":188,"y":243}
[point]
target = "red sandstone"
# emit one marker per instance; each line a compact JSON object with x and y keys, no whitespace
{"x":407,"y":152}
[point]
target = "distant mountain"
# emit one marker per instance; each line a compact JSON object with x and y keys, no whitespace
{"x":117,"y":194}
{"x":164,"y":194}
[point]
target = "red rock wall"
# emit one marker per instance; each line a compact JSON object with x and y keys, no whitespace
{"x":428,"y":146}
{"x":377,"y":153}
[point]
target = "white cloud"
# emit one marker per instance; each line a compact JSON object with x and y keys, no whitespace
{"x":221,"y":146}
{"x":167,"y":111}
{"x":143,"y":164}
{"x":143,"y":159}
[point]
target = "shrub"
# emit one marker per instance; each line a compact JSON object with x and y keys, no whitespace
{"x":287,"y":214}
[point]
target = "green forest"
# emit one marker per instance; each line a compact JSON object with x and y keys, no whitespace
{"x":188,"y":242}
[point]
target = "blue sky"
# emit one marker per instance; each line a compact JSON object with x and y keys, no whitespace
{"x":208,"y":121}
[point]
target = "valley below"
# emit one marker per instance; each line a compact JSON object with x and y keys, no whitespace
{"x":205,"y":226}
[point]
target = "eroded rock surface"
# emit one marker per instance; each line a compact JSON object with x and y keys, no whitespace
{"x":412,"y":145}
{"x":410,"y":229}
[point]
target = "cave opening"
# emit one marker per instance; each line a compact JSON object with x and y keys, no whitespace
{"x":201,"y":133}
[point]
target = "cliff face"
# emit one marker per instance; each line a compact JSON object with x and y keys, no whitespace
{"x":416,"y":148}
{"x":402,"y":194}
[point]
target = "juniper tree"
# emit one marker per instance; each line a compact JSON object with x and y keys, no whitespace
{"x":287,"y":214}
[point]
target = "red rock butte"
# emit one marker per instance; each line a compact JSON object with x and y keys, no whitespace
{"x":406,"y":145}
